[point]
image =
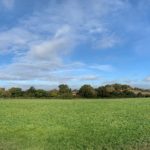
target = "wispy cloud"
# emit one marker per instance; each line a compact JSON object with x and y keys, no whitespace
{"x":8,"y":3}
{"x":108,"y":68}
{"x":147,"y":79}
{"x":42,"y":42}
{"x":107,"y":41}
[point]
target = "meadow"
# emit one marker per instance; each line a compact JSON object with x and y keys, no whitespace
{"x":115,"y":124}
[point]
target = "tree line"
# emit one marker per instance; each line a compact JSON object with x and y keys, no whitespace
{"x":86,"y":91}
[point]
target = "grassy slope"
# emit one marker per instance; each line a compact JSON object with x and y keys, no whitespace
{"x":78,"y":124}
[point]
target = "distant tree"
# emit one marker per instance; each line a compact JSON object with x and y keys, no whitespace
{"x":103,"y":91}
{"x":87,"y":91}
{"x":100,"y":91}
{"x":128,"y":93}
{"x":64,"y":88}
{"x":140,"y":94}
{"x":2,"y":92}
{"x":40,"y":93}
{"x":15,"y":92}
{"x":147,"y":95}
{"x":31,"y":92}
{"x":109,"y":88}
{"x":65,"y":91}
{"x":121,"y":87}
{"x":7,"y":94}
{"x":126,"y":87}
{"x":53,"y":93}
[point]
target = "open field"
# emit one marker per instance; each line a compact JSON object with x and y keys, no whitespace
{"x":75,"y":124}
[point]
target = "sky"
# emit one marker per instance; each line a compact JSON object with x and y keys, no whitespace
{"x":44,"y":43}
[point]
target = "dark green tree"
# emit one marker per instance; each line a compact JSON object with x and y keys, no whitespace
{"x":87,"y":91}
{"x":40,"y":93}
{"x":65,"y":91}
{"x":53,"y":93}
{"x":2,"y":92}
{"x":31,"y":92}
{"x":15,"y":92}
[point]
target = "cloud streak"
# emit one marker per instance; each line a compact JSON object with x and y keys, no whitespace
{"x":9,"y":4}
{"x":42,"y":43}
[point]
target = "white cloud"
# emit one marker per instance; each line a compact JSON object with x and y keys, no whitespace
{"x":74,"y":20}
{"x":49,"y":49}
{"x":16,"y":40}
{"x":103,"y":67}
{"x":107,"y":41}
{"x":41,"y":41}
{"x":147,"y":79}
{"x":90,"y":78}
{"x":64,"y":31}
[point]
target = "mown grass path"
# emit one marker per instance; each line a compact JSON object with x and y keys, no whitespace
{"x":75,"y":124}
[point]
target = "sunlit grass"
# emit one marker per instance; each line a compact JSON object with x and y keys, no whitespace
{"x":74,"y":124}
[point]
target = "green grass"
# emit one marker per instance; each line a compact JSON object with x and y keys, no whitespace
{"x":75,"y":124}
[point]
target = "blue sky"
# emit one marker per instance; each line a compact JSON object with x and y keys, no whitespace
{"x":44,"y":43}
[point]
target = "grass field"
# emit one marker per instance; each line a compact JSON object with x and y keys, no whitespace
{"x":75,"y":124}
